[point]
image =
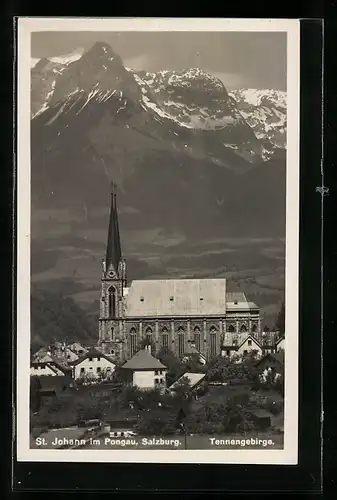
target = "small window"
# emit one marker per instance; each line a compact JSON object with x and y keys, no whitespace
{"x":228,"y":353}
{"x":90,"y":359}
{"x":112,"y":351}
{"x":201,"y":298}
{"x":161,"y":380}
{"x":82,"y":370}
{"x":156,"y":381}
{"x":142,"y":299}
{"x":99,"y":358}
{"x":249,"y":342}
{"x":122,"y":434}
{"x":171,"y":299}
{"x":236,"y":302}
{"x":90,"y":368}
{"x":98,"y":369}
{"x":80,"y":351}
{"x":245,"y":351}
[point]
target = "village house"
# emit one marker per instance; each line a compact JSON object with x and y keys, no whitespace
{"x":77,"y":348}
{"x":245,"y":345}
{"x":51,"y":387}
{"x":280,"y":344}
{"x":191,"y":351}
{"x":145,"y":371}
{"x":45,"y":366}
{"x":93,"y":364}
{"x":271,"y":363}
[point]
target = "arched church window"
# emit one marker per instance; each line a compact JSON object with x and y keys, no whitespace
{"x":197,"y":338}
{"x":254,"y":329}
{"x":181,"y":341}
{"x":133,"y":331}
{"x":212,"y":329}
{"x":231,"y":329}
{"x":148,"y":333}
{"x":213,"y":342}
{"x":165,"y":338}
{"x":243,"y":329}
{"x":112,"y":301}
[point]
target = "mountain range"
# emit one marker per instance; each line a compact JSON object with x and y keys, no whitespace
{"x":189,"y":157}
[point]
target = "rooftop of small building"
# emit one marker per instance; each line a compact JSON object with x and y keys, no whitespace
{"x":143,"y":360}
{"x":193,"y":378}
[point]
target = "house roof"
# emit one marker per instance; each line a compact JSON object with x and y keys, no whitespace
{"x":76,"y":346}
{"x":92,"y":353}
{"x":194,"y":379}
{"x":277,"y":356}
{"x":143,"y":360}
{"x":191,"y":349}
{"x":260,"y":413}
{"x":237,"y":301}
{"x":42,"y":358}
{"x":53,"y":383}
{"x":176,"y":297}
{"x":250,"y":337}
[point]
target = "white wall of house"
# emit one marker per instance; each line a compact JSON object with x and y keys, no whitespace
{"x":92,"y":367}
{"x":149,"y":379}
{"x":44,"y":369}
{"x":248,"y":346}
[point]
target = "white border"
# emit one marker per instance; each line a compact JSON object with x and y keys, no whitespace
{"x":287,"y":456}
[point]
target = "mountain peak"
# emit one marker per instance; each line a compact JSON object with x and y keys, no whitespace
{"x":100,"y":49}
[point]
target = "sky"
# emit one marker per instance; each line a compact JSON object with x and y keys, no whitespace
{"x":239,"y":59}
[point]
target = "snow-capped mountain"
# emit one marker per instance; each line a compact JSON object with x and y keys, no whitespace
{"x":191,"y":99}
{"x":265,"y":111}
{"x":161,"y":136}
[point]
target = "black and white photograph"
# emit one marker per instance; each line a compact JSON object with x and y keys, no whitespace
{"x":157,"y":295}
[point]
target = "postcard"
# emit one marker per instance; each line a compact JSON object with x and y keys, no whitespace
{"x":157,"y":240}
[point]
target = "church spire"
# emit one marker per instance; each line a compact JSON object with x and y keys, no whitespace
{"x":113,"y":249}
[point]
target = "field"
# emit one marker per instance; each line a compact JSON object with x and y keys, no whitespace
{"x":72,"y":264}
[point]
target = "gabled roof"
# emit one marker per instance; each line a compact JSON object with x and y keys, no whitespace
{"x":277,"y":356}
{"x":92,"y":353}
{"x":237,"y":301}
{"x":280,"y":340}
{"x":42,"y":359}
{"x":194,"y":379}
{"x":176,"y":297}
{"x":143,"y":360}
{"x":76,"y":346}
{"x":250,"y":337}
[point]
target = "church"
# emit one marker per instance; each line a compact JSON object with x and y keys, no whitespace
{"x":174,"y":314}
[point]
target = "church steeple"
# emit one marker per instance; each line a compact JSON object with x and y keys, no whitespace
{"x":113,"y":249}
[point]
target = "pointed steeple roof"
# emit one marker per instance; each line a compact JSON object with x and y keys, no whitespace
{"x":113,"y":249}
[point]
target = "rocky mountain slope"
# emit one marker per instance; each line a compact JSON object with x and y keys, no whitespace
{"x":190,"y":160}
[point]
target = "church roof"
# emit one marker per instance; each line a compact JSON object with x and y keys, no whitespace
{"x":176,"y":297}
{"x":237,"y":301}
{"x":113,"y":249}
{"x":143,"y":360}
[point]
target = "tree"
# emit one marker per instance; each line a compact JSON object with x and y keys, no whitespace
{"x":147,"y":342}
{"x":156,"y":423}
{"x":175,"y":368}
{"x":35,"y":398}
{"x":280,"y":323}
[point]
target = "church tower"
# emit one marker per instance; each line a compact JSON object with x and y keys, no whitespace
{"x":113,"y":282}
